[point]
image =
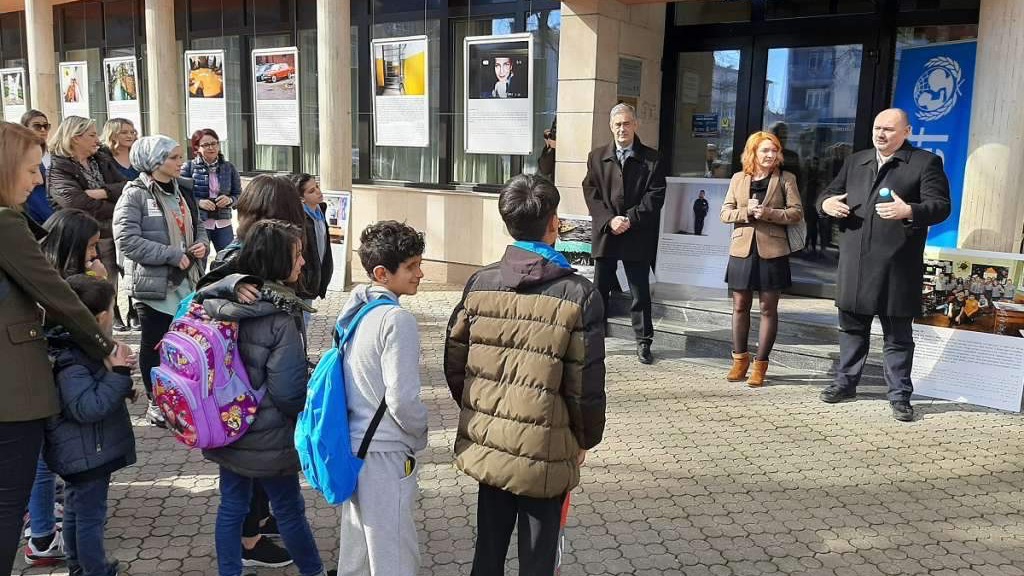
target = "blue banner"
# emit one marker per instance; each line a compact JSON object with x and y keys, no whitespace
{"x":936,"y":86}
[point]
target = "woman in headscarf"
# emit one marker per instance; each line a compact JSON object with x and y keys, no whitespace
{"x":163,"y":243}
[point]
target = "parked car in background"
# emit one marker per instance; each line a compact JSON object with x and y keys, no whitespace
{"x":278,"y":72}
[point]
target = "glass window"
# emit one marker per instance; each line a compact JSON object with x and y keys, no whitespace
{"x":404,"y":164}
{"x":236,"y":143}
{"x":309,"y":104}
{"x":910,"y":5}
{"x":705,"y":112}
{"x":354,"y":82}
{"x":276,"y":158}
{"x":223,"y":15}
{"x":474,"y":168}
{"x":120,"y":22}
{"x":800,"y":8}
{"x":393,"y":6}
{"x":83,"y":24}
{"x":711,"y":11}
{"x":546,"y":26}
{"x":12,"y":39}
{"x":272,"y":15}
{"x":97,"y":102}
{"x":913,"y":36}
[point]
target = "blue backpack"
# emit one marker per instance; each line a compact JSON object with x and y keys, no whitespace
{"x":321,"y":433}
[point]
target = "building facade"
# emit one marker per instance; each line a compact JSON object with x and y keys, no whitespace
{"x":819,"y":69}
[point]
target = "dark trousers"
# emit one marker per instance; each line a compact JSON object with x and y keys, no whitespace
{"x":220,"y":237}
{"x":898,"y":351}
{"x":637,"y":275}
{"x":539,"y":522}
{"x":259,"y":508}
{"x":154,"y":326}
{"x":20,"y":443}
{"x":698,"y":223}
{"x":85,"y":519}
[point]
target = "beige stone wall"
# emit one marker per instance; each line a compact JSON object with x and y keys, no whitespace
{"x":595,"y":33}
{"x":461,"y":229}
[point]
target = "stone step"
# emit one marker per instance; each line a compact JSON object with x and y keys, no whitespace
{"x":804,"y":343}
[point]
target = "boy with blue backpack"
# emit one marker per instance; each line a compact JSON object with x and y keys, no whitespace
{"x":92,"y":436}
{"x":382,"y":385}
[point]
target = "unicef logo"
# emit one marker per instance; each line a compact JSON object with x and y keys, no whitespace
{"x":938,"y":88}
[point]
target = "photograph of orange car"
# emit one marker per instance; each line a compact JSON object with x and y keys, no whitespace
{"x":274,"y":77}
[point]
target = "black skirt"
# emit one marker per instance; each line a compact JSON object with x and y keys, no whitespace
{"x":756,"y":273}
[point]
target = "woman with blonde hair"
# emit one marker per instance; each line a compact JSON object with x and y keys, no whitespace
{"x":762,"y":200}
{"x":28,"y":283}
{"x":116,"y":141}
{"x":82,"y":177}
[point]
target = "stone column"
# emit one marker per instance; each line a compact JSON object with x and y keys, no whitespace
{"x":992,"y":212}
{"x":333,"y":56}
{"x":594,"y":34}
{"x":163,"y":66}
{"x":42,"y":61}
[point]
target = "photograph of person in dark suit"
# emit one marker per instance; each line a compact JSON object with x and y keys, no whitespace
{"x":884,"y":200}
{"x":700,"y":211}
{"x":625,"y":190}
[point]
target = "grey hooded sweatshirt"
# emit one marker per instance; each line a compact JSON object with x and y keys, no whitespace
{"x":382,"y":360}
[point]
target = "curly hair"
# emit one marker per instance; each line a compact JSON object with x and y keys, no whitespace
{"x":388,"y":243}
{"x":749,"y":157}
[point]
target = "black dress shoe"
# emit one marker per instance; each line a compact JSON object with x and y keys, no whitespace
{"x":902,"y":410}
{"x":643,"y":353}
{"x":834,"y":394}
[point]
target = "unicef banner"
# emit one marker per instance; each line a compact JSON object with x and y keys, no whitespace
{"x":936,"y":86}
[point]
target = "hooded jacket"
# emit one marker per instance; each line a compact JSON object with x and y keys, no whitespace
{"x":273,"y":349}
{"x":382,"y":361}
{"x":524,"y":359}
{"x":93,"y":431}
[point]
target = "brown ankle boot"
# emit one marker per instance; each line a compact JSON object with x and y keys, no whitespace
{"x":757,"y":376}
{"x":740,"y":363}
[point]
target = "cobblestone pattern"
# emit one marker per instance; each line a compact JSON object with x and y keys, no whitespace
{"x":695,"y":476}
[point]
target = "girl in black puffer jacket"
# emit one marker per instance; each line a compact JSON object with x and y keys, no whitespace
{"x":272,"y":346}
{"x":92,"y":436}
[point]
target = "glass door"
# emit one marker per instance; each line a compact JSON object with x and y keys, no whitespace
{"x":811,"y":96}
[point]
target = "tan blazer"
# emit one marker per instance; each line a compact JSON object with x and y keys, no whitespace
{"x":782,"y":207}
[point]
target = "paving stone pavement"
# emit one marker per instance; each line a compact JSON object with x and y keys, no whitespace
{"x":695,"y":476}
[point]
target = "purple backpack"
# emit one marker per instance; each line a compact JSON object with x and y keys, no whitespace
{"x":201,"y":385}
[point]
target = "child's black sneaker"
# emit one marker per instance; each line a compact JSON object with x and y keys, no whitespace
{"x":267,"y":554}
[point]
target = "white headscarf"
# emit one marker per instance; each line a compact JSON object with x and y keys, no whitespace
{"x":150,"y":152}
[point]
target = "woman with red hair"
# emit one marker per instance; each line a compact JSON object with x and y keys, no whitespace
{"x":762,"y":200}
{"x":216,"y":186}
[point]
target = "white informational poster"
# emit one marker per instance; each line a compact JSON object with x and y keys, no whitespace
{"x":969,"y":340}
{"x":499,"y":94}
{"x":15,"y":97}
{"x":401,"y":109}
{"x":693,"y":248}
{"x":121,"y":82}
{"x":74,"y":89}
{"x":275,"y":78}
{"x":339,"y":212}
{"x":204,"y":91}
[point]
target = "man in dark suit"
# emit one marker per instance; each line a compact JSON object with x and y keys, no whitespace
{"x":624,"y":190}
{"x":700,"y":211}
{"x":884,"y":199}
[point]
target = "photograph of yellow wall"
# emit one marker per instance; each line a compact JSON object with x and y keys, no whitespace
{"x":400,"y":68}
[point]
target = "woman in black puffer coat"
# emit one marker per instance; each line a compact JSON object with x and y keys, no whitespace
{"x":273,"y":348}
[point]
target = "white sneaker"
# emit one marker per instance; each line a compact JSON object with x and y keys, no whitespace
{"x":54,"y":554}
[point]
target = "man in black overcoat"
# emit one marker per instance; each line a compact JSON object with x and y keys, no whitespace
{"x":624,"y":190}
{"x":884,"y":200}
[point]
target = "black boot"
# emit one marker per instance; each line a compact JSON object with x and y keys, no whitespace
{"x":118,"y":322}
{"x":133,"y":318}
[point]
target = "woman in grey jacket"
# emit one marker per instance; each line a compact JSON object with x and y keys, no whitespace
{"x":272,"y":346}
{"x":159,"y":234}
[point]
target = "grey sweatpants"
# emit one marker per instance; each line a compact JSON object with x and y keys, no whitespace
{"x":378,"y":533}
